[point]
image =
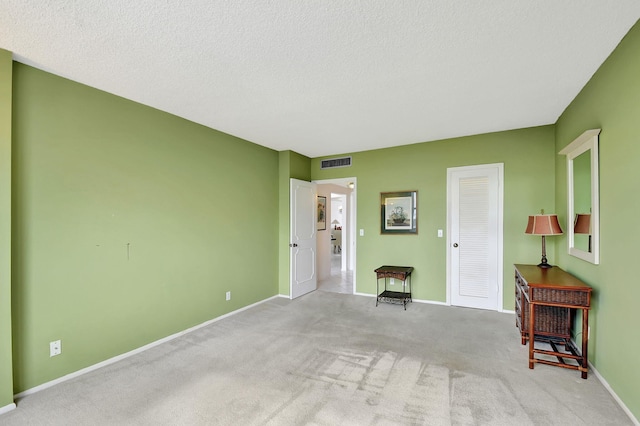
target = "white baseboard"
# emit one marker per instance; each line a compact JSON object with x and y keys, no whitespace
{"x":132,"y":352}
{"x":7,"y":408}
{"x":431,"y":302}
{"x":614,"y":395}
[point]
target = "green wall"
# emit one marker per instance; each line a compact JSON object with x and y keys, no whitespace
{"x":130,"y":225}
{"x":6,"y":380}
{"x":528,"y":157}
{"x":611,"y":101}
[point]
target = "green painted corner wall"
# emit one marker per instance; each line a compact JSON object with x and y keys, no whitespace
{"x":610,"y":101}
{"x":423,"y":167}
{"x":300,"y":166}
{"x":130,"y":225}
{"x":284,"y":171}
{"x":6,"y":363}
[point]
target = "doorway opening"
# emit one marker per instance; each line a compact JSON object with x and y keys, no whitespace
{"x":336,"y":248}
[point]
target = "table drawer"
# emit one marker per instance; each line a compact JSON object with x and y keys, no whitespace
{"x":522,"y":283}
{"x":389,"y":274}
{"x":568,"y":297}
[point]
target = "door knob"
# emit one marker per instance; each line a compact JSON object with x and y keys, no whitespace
{"x":455,"y":244}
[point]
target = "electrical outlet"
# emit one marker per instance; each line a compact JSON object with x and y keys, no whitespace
{"x":228,"y":296}
{"x":392,"y":281}
{"x":439,"y":233}
{"x":55,"y":348}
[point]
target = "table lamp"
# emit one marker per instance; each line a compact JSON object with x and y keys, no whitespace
{"x":335,"y":223}
{"x":543,"y":224}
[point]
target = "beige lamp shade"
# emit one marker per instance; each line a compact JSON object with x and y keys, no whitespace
{"x":543,"y":224}
{"x":582,"y":224}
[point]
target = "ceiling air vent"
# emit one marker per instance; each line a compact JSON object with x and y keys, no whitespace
{"x":332,"y":163}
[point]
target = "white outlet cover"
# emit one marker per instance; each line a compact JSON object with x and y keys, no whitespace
{"x":55,"y":348}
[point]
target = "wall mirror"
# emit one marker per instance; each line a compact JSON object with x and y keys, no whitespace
{"x":583,"y":224}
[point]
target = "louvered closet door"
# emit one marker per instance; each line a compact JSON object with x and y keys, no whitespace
{"x":475,"y":236}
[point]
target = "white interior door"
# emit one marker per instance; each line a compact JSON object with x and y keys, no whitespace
{"x":303,"y":237}
{"x":475,"y":197}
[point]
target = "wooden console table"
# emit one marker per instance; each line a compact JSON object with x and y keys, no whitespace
{"x":402,"y":273}
{"x":546,"y":300}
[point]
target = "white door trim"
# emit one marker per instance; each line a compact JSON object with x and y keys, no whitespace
{"x":500,"y":254}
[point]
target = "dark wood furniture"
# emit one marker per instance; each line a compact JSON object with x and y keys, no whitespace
{"x":386,"y":273}
{"x":546,"y":302}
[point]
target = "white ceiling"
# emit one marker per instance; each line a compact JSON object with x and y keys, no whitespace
{"x":328,"y":77}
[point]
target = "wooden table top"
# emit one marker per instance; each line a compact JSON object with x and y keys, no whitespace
{"x":550,"y":277}
{"x":400,"y":269}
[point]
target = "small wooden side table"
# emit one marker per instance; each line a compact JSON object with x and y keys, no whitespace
{"x":387,"y":273}
{"x":545,"y":301}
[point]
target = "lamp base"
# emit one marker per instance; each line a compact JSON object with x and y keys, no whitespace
{"x":543,"y":261}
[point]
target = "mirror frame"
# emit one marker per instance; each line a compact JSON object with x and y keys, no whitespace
{"x":583,"y":143}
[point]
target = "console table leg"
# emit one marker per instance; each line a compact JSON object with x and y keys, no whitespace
{"x":532,"y":333}
{"x":585,"y":342}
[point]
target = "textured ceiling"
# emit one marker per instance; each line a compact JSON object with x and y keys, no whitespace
{"x":333,"y":76}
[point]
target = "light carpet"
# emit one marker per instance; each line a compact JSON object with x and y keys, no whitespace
{"x":331,"y":359}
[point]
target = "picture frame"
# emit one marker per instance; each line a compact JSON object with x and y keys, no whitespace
{"x":322,"y":213}
{"x":399,"y":212}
